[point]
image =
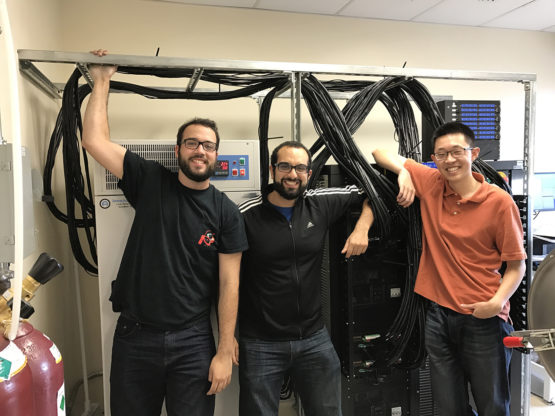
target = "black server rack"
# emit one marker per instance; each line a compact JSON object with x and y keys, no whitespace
{"x":513,"y":172}
{"x":360,"y":299}
{"x":483,"y":117}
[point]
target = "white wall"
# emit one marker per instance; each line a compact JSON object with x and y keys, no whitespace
{"x":36,"y":24}
{"x":139,"y":27}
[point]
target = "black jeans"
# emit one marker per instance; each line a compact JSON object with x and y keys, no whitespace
{"x":314,"y":368}
{"x":150,"y":365}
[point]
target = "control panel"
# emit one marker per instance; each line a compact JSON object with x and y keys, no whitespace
{"x":232,"y":167}
{"x":236,"y":169}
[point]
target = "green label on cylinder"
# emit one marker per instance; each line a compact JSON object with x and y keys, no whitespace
{"x":5,"y":367}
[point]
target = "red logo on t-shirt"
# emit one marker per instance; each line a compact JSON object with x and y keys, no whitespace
{"x":207,"y":238}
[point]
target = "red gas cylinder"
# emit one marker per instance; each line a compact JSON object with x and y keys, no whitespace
{"x":47,"y":370}
{"x":16,"y":382}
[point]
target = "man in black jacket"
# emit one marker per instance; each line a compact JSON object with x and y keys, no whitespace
{"x":280,"y":320}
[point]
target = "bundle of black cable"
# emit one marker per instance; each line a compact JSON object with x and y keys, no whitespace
{"x":68,"y":129}
{"x":404,"y":341}
{"x":67,"y":125}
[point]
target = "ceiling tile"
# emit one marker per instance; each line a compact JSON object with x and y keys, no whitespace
{"x":537,"y":15}
{"x":509,"y":14}
{"x":303,"y":6}
{"x":390,"y":9}
{"x":467,"y":12}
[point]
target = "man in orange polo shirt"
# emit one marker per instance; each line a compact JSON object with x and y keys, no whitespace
{"x":470,"y":228}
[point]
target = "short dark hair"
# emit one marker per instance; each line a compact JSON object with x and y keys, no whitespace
{"x":298,"y":145}
{"x":453,"y":127}
{"x":206,"y":122}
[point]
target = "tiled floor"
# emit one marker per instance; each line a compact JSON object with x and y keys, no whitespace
{"x":538,"y":407}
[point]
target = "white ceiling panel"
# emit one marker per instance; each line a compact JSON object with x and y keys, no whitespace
{"x":537,"y":15}
{"x":390,"y":9}
{"x":226,"y":3}
{"x":303,"y":6}
{"x":509,"y":14}
{"x":467,"y":12}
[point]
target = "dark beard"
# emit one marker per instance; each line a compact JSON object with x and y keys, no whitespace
{"x":290,"y":195}
{"x":197,"y":177}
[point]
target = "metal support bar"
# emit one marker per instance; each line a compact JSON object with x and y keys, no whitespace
{"x":528,"y":166}
{"x":194,"y":79}
{"x":39,"y":79}
{"x":520,"y":384}
{"x":234,"y":66}
{"x":296,"y":106}
{"x":83,"y":68}
{"x":520,"y":365}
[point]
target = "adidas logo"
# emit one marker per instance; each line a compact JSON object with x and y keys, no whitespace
{"x":309,"y":225}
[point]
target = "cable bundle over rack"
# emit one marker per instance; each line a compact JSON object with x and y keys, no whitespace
{"x":335,"y":129}
{"x":68,"y":129}
{"x":263,"y":125}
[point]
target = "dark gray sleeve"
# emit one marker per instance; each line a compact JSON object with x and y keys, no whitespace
{"x":134,"y":171}
{"x":233,"y":237}
{"x":336,"y":201}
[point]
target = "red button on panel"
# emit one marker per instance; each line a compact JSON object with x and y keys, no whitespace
{"x":234,"y":172}
{"x":241,"y":172}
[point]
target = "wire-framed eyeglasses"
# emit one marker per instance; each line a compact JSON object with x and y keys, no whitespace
{"x":286,"y":167}
{"x":457,"y":153}
{"x":193,"y":144}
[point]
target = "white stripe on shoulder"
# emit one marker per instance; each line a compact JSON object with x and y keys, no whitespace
{"x":249,"y":203}
{"x":333,"y":191}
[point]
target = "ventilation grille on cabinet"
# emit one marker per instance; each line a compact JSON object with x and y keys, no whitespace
{"x":161,"y":153}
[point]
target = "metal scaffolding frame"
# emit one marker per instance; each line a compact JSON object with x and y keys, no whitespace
{"x":295,"y":71}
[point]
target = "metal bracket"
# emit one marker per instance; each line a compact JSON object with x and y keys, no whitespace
{"x":84,"y":69}
{"x":197,"y":73}
{"x":29,"y":70}
{"x":296,"y":106}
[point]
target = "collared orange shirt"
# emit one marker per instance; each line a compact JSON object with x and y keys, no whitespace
{"x":464,"y":241}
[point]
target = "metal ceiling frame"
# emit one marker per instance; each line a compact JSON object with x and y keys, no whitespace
{"x":295,"y":71}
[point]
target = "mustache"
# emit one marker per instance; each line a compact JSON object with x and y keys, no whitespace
{"x":198,"y":157}
{"x":296,"y":180}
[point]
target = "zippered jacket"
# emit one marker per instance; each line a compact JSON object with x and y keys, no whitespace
{"x":280,"y":272}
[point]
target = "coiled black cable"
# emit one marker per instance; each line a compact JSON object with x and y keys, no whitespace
{"x":335,"y":129}
{"x":68,"y":129}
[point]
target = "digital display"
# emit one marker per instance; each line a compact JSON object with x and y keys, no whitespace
{"x":231,"y":168}
{"x":222,"y":168}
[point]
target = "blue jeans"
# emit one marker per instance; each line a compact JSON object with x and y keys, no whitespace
{"x":464,"y":349}
{"x":312,"y":363}
{"x":149,"y":365}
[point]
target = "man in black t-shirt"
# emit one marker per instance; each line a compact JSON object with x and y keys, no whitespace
{"x":184,"y":247}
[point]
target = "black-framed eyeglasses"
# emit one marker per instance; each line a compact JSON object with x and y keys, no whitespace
{"x":286,"y":167}
{"x":457,"y":153}
{"x":193,"y":144}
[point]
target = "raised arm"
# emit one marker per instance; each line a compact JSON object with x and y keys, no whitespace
{"x":222,"y":363}
{"x":395,"y":164}
{"x":96,"y":132}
